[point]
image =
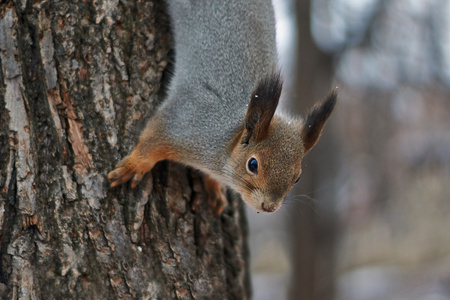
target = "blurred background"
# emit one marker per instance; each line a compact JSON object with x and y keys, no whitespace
{"x":370,"y":218}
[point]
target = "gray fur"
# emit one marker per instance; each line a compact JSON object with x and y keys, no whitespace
{"x":225,"y":78}
{"x":222,"y":49}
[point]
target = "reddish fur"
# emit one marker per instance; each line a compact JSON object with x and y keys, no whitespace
{"x":215,"y":192}
{"x":276,"y":143}
{"x":139,"y":162}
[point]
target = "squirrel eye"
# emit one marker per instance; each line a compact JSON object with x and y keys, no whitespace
{"x":298,"y":179}
{"x":252,"y":165}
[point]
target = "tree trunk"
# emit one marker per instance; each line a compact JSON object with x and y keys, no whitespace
{"x":78,"y":81}
{"x":312,"y":249}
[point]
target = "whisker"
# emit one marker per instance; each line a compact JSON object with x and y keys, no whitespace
{"x":292,"y":213}
{"x":292,"y":200}
{"x":321,"y":188}
{"x":309,"y":199}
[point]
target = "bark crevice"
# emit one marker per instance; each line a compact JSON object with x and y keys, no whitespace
{"x":77,"y":84}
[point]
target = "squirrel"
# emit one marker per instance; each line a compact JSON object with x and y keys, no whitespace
{"x":219,"y":115}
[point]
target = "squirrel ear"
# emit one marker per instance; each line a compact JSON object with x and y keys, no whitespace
{"x":312,"y":129}
{"x":262,"y":106}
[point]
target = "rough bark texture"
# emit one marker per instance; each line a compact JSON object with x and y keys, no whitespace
{"x":78,"y":81}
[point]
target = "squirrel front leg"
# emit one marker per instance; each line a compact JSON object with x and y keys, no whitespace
{"x":216,"y":194}
{"x":147,"y":153}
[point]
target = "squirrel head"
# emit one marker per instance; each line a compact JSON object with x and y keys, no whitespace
{"x":266,"y":155}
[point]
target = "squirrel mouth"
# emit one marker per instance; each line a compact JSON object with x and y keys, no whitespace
{"x":260,"y":202}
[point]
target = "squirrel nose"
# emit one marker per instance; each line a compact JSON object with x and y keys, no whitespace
{"x":268,"y":207}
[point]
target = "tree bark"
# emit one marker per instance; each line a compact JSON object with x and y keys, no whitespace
{"x":78,"y":81}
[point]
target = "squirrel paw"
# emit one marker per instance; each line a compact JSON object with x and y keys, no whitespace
{"x":216,"y":193}
{"x":218,"y":202}
{"x":129,"y":168}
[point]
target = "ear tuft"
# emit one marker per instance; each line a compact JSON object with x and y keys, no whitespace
{"x":262,"y":106}
{"x":312,"y":129}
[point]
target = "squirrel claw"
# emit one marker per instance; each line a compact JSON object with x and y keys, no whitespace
{"x":120,"y":176}
{"x":115,"y":174}
{"x":131,"y":167}
{"x":122,"y":172}
{"x":136,"y":179}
